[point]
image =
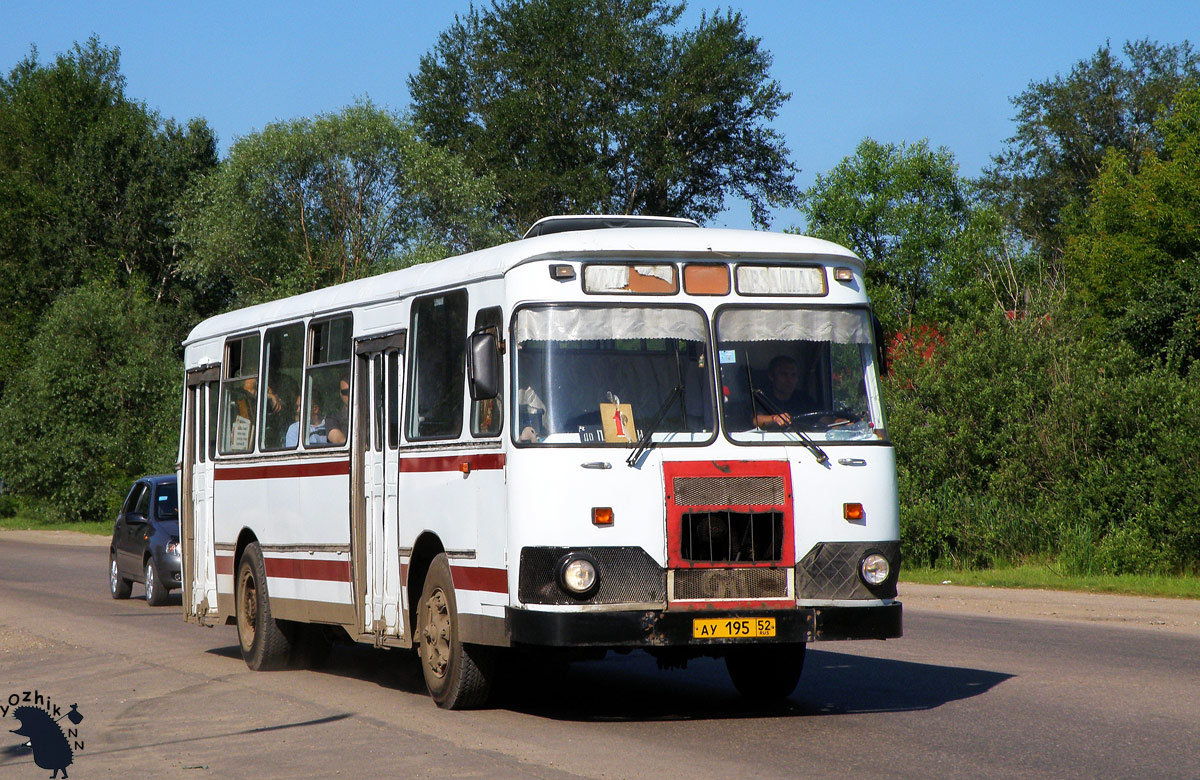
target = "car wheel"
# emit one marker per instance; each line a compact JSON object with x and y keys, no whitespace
{"x":458,"y":676}
{"x":118,"y":586}
{"x":156,"y":592}
{"x":766,"y":674}
{"x":265,"y":642}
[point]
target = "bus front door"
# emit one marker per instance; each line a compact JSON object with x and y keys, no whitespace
{"x":196,"y":484}
{"x":377,"y":546}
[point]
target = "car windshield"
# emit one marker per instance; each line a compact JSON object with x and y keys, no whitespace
{"x":167,"y":501}
{"x":603,"y":375}
{"x":787,"y":372}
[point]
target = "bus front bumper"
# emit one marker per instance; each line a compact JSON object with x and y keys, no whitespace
{"x":658,"y":628}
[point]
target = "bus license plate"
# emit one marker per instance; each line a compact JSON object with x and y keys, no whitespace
{"x":732,"y":628}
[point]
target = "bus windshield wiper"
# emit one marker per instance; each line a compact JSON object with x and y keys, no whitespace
{"x":644,"y":442}
{"x":761,"y":397}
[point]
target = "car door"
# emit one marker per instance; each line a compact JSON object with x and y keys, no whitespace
{"x":132,"y":525}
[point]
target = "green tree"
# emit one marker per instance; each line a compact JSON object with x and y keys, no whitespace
{"x":601,"y":106}
{"x":88,"y":181}
{"x":1134,"y":263}
{"x":904,"y":210}
{"x":312,"y":202}
{"x":95,"y":405}
{"x":1065,"y":125}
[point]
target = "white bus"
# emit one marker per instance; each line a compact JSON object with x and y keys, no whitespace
{"x":616,"y":433}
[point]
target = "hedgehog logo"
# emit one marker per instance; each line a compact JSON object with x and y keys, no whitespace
{"x":51,"y":750}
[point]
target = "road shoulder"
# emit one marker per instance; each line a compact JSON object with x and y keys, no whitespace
{"x":1144,"y":612}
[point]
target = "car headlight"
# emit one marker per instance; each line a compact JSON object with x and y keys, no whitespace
{"x":578,"y":574}
{"x":172,"y":548}
{"x":874,"y":569}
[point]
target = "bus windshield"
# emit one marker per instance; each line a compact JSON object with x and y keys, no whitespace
{"x":600,"y":375}
{"x":792,"y":371}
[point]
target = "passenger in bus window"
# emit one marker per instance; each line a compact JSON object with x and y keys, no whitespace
{"x":316,"y":434}
{"x":532,"y":413}
{"x":279,"y":399}
{"x":316,"y":428}
{"x":335,"y":423}
{"x":784,"y":394}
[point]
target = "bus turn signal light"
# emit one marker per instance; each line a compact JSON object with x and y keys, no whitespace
{"x":602,"y":515}
{"x":853,"y":511}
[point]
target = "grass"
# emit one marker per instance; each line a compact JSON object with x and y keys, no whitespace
{"x":1046,"y":578}
{"x":97,"y":527}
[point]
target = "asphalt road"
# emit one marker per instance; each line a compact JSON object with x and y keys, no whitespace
{"x":973,"y":690}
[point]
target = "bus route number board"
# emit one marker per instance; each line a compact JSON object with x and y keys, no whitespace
{"x":732,"y":628}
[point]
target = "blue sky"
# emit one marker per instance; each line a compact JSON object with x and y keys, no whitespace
{"x":892,"y":71}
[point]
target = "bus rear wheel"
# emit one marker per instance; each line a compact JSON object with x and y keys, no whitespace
{"x":265,"y":642}
{"x":767,"y":673}
{"x":458,"y":676}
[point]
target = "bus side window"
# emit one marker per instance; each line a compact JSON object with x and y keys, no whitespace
{"x":239,"y":394}
{"x":393,"y":400}
{"x":283,"y":361}
{"x":487,"y":416}
{"x":213,"y":403}
{"x":327,"y":411}
{"x":439,"y":366}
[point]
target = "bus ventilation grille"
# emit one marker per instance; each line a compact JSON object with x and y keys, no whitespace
{"x":741,"y":584}
{"x":729,"y":491}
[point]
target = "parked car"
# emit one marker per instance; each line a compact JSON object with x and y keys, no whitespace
{"x":145,"y":541}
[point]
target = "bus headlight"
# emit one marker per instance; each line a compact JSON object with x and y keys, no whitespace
{"x":578,"y":574}
{"x":874,"y":569}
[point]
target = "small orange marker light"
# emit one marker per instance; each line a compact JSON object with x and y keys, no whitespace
{"x":853,"y":511}
{"x":465,"y":467}
{"x":602,"y":515}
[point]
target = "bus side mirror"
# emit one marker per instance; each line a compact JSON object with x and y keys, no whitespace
{"x":483,"y":365}
{"x":881,"y":352}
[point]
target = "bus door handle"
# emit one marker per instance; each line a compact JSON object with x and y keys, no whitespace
{"x":596,"y":464}
{"x":852,"y":461}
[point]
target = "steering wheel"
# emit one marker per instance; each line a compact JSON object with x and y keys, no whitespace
{"x":841,"y":417}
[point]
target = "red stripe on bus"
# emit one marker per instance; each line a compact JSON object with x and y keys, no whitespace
{"x":453,"y":463}
{"x":286,"y":470}
{"x":300,"y":569}
{"x":224,"y":564}
{"x":480,"y":578}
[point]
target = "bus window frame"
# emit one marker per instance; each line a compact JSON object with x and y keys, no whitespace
{"x":222,"y":407}
{"x":414,"y":361}
{"x":620,"y":302}
{"x":716,"y":315}
{"x":306,"y":390}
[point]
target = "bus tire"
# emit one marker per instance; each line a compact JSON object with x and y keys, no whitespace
{"x":458,"y":676}
{"x":118,"y":586}
{"x":265,"y":642}
{"x":766,"y":673}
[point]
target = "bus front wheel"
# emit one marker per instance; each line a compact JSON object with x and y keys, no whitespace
{"x":264,"y":642}
{"x":458,"y":675}
{"x":766,"y":673}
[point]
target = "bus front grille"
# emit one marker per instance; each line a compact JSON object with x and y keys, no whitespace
{"x":742,"y":584}
{"x":729,"y":536}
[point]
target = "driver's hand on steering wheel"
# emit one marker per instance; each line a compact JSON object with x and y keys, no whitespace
{"x":781,"y":420}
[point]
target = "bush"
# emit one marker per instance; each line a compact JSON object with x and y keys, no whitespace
{"x":1015,"y":441}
